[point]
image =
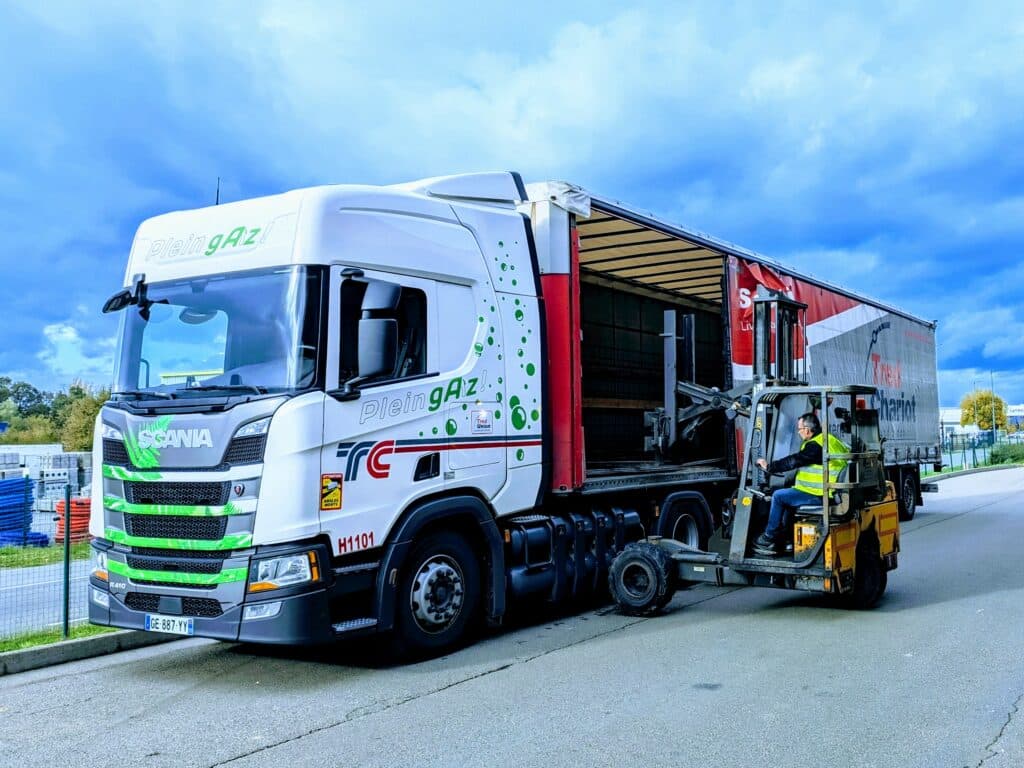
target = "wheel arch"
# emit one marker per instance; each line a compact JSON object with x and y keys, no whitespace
{"x":461,"y":511}
{"x":693,"y":502}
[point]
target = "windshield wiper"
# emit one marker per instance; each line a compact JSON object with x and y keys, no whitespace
{"x":142,"y":394}
{"x":212,"y":387}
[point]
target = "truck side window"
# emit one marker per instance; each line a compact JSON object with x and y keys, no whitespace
{"x":410,"y":314}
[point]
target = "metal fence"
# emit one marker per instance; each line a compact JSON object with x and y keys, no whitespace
{"x":969,"y":451}
{"x":44,"y":564}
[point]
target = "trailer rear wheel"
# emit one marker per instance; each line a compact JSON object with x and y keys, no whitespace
{"x":438,"y":597}
{"x":642,"y":579}
{"x":908,"y":496}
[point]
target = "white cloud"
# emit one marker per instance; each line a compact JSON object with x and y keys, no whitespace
{"x":65,"y":356}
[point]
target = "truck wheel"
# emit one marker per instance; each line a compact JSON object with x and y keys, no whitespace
{"x":642,"y":579}
{"x":869,"y":581}
{"x":438,"y":596}
{"x":908,"y":497}
{"x":686,"y":525}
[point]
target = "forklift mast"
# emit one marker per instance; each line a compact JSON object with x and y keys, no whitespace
{"x":779,"y":357}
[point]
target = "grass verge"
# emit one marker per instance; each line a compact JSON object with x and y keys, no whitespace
{"x":47,"y":636}
{"x":25,"y":557}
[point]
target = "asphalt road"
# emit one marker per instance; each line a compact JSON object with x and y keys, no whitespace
{"x":933,"y":677}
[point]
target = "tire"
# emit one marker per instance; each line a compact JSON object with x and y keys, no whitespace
{"x":907,"y":496}
{"x":438,"y":597}
{"x":869,"y":581}
{"x":685,"y":524}
{"x":642,"y":579}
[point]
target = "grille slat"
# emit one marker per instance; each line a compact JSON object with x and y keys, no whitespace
{"x":197,"y":494}
{"x":192,"y":554}
{"x":202,"y":607}
{"x":241,"y":450}
{"x":246,"y":450}
{"x":114,"y":453}
{"x":175,"y":526}
{"x":175,"y":565}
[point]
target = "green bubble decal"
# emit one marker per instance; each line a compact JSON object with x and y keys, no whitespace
{"x":519,"y":315}
{"x":519,"y":417}
{"x":478,"y":348}
{"x":497,"y":414}
{"x":520,"y":454}
{"x":451,"y":427}
{"x":434,"y":430}
{"x":530,"y":369}
{"x":497,"y":396}
{"x":535,"y":415}
{"x":490,"y":341}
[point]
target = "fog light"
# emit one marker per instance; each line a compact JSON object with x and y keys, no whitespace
{"x":101,"y":598}
{"x":261,"y":611}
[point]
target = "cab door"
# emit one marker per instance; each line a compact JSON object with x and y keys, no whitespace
{"x":378,"y":428}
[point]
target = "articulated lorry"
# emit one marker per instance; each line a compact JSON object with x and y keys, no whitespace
{"x":350,"y":409}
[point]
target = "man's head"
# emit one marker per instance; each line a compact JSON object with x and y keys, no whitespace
{"x":808,"y":426}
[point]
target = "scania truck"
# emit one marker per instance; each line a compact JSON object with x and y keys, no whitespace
{"x":350,"y":409}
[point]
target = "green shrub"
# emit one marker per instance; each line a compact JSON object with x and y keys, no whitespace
{"x":1008,"y":454}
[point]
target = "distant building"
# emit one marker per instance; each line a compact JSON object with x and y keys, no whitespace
{"x":949,"y":419}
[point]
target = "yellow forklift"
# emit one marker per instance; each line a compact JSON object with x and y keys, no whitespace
{"x":844,"y":546}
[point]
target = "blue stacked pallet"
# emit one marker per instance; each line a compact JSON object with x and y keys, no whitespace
{"x":16,"y":514}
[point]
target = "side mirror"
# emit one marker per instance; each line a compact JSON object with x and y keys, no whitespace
{"x":118,"y":301}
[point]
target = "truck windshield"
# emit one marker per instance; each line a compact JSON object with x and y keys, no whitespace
{"x":250,"y":332}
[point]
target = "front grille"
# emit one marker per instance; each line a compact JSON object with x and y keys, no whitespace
{"x":197,"y":494}
{"x":176,"y":565}
{"x":175,"y":526}
{"x":114,"y":453}
{"x":246,"y":450}
{"x":203,"y":607}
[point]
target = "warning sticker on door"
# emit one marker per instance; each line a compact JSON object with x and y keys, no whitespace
{"x":330,"y":491}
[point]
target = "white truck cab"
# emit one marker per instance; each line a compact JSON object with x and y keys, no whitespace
{"x":294,"y":374}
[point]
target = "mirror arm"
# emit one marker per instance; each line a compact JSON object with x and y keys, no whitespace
{"x":349,"y":390}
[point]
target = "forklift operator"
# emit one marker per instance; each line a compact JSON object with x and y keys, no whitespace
{"x":808,"y":487}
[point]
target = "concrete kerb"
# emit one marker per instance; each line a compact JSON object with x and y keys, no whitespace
{"x":12,"y":662}
{"x":965,"y":472}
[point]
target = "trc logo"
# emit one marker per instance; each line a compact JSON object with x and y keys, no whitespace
{"x":375,"y":454}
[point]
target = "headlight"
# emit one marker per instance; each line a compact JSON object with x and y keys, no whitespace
{"x":112,"y":433}
{"x":254,"y":428}
{"x":287,"y":571}
{"x":99,"y":565}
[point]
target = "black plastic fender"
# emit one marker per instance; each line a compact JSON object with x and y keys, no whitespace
{"x":463,"y":509}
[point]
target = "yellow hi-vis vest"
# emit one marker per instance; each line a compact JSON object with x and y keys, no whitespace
{"x":809,"y":479}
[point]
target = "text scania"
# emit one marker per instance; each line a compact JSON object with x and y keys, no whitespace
{"x":176,"y":438}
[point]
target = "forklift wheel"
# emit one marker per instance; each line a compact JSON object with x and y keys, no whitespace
{"x":870,"y":580}
{"x":642,"y":579}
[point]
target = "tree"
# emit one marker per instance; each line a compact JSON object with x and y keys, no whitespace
{"x":29,"y":430}
{"x":79,"y":416}
{"x":976,"y":408}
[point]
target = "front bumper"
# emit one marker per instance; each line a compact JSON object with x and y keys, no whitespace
{"x":304,"y":619}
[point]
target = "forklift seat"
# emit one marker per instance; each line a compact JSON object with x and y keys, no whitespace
{"x":838,"y":497}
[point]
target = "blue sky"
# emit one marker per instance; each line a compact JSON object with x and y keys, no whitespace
{"x":878,"y":145}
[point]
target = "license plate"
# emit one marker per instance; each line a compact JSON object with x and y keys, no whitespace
{"x":174,"y":625}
